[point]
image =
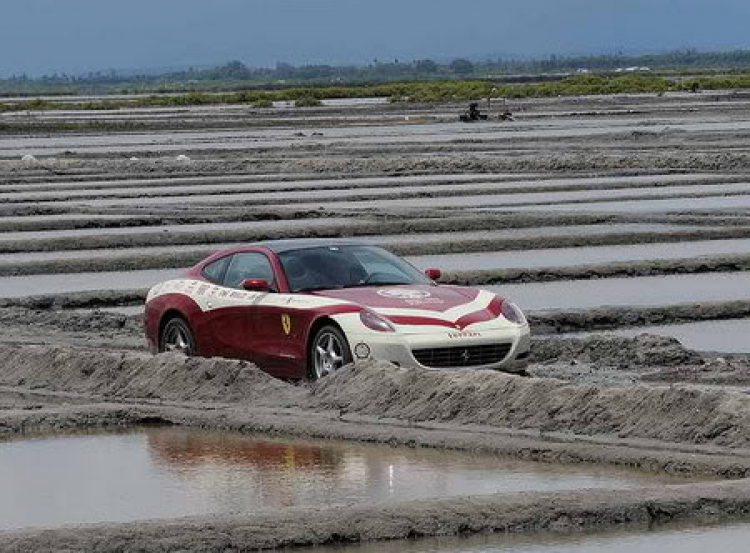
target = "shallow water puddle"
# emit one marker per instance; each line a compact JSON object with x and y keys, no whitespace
{"x":669,"y":539}
{"x":167,"y":472}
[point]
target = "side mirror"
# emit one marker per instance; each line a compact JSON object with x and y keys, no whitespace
{"x":433,"y":274}
{"x":256,"y":285}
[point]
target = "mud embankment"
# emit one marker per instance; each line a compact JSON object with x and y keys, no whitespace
{"x":534,"y":512}
{"x":140,"y":260}
{"x":610,"y":318}
{"x":127,"y":375}
{"x":657,"y":267}
{"x":645,"y":350}
{"x":361,"y":225}
{"x":485,"y":398}
{"x":672,"y":429}
{"x":55,"y":311}
{"x":661,"y":413}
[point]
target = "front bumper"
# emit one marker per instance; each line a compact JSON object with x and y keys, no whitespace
{"x":399,"y":348}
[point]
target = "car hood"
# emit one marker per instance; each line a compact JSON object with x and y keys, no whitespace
{"x":453,"y":306}
{"x":422,"y":297}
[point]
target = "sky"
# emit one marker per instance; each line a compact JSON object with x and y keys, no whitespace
{"x":76,"y":36}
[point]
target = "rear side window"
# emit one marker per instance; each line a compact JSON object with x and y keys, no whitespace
{"x":214,"y":272}
{"x":246,"y":266}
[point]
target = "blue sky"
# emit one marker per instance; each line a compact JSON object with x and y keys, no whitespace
{"x":45,"y":36}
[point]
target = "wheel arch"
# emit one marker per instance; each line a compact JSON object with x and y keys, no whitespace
{"x":168,"y":315}
{"x":320,"y":322}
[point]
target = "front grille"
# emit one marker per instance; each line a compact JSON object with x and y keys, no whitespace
{"x":462,"y":356}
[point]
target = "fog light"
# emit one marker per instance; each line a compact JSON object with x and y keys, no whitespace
{"x":362,"y":351}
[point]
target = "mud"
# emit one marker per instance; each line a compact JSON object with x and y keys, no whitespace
{"x":431,"y":409}
{"x":361,"y":224}
{"x":466,"y":398}
{"x":645,"y":350}
{"x":534,"y":419}
{"x":725,"y":336}
{"x":298,"y":527}
{"x":549,"y":262}
{"x":132,"y":375}
{"x":639,"y":401}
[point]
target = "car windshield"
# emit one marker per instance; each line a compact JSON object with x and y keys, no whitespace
{"x":336,"y":267}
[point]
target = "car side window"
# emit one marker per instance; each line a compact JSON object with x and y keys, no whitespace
{"x":244,"y":266}
{"x":214,"y":272}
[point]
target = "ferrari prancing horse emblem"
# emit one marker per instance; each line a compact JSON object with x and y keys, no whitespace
{"x":286,"y":323}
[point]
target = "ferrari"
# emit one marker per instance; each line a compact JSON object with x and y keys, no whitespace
{"x":302,"y":309}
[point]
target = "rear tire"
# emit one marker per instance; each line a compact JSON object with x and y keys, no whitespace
{"x":177,"y":336}
{"x":329,"y":351}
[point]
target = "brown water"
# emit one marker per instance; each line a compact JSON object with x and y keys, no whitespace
{"x":669,"y":539}
{"x":162,"y":472}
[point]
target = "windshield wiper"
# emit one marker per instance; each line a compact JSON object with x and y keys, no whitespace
{"x":374,"y":284}
{"x":317,"y":289}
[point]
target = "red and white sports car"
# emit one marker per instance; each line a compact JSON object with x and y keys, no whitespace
{"x":304,"y":308}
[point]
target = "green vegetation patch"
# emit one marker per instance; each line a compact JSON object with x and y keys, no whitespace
{"x":420,"y":92}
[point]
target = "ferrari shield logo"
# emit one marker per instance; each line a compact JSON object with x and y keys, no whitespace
{"x":286,"y":323}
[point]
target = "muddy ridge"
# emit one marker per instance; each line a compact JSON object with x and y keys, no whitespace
{"x":487,"y":398}
{"x":139,"y":375}
{"x":535,"y":512}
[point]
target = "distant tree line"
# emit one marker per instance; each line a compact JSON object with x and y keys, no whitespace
{"x":236,"y":74}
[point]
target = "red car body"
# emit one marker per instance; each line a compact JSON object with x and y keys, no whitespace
{"x":274,"y":328}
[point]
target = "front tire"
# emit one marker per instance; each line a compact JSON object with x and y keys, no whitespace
{"x":329,"y":351}
{"x":177,"y":336}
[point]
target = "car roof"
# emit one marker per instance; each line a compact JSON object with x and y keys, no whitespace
{"x":281,"y":246}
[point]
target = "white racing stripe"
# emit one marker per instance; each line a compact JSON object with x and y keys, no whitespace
{"x":210,"y":297}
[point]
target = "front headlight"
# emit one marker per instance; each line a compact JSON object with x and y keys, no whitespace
{"x":373,"y":321}
{"x":513,"y":313}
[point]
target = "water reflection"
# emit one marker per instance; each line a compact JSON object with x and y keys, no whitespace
{"x":137,"y":474}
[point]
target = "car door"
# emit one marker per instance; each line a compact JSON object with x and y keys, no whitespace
{"x":235,"y":327}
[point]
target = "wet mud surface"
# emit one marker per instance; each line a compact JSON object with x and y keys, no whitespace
{"x":626,"y":215}
{"x":669,"y":538}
